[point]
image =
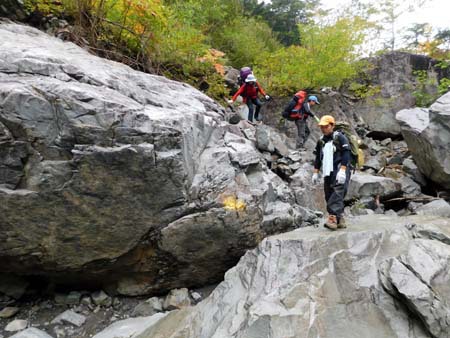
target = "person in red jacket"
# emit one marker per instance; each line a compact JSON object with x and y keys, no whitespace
{"x":249,"y":91}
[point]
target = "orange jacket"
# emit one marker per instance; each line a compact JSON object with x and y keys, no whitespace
{"x":249,"y":91}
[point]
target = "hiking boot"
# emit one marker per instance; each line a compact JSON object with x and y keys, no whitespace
{"x":331,"y":222}
{"x":341,"y":223}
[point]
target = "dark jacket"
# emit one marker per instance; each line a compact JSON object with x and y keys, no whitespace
{"x":303,"y":112}
{"x":341,"y":155}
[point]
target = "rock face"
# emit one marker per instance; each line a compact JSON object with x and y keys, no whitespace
{"x":112,"y":176}
{"x":382,"y":277}
{"x":427,"y":134}
{"x":363,"y":185}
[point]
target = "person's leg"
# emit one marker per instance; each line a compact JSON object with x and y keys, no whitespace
{"x":307,"y":132}
{"x":250,"y":109}
{"x":335,"y":204}
{"x":258,"y":105}
{"x":300,"y":132}
{"x":341,"y":219}
{"x":328,"y":188}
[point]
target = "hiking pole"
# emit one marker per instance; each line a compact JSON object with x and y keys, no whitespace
{"x":317,"y":119}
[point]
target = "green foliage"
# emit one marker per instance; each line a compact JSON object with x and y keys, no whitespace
{"x":244,"y":41}
{"x":326,"y":58}
{"x":422,"y":95}
{"x":363,"y":90}
{"x":283,"y":16}
{"x":175,"y":37}
{"x":444,"y":86}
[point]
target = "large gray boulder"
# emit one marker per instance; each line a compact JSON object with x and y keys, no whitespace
{"x":364,"y":185}
{"x":382,"y":277}
{"x":427,"y":133}
{"x":112,"y":176}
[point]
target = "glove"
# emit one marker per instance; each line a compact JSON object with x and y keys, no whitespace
{"x":341,"y":177}
{"x":315,"y":178}
{"x":267,"y":97}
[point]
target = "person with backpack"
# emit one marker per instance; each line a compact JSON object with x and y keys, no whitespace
{"x":298,"y":111}
{"x":249,"y":91}
{"x":333,"y":158}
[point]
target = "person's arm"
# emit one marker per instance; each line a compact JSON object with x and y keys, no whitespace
{"x":307,"y":109}
{"x":345,"y":150}
{"x":260,"y":89}
{"x":239,"y":92}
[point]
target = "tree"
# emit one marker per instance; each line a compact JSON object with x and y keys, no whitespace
{"x":391,"y":10}
{"x":327,"y":57}
{"x":443,"y":36}
{"x":416,"y":33}
{"x":283,"y":16}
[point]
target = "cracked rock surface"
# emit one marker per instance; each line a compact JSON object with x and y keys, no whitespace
{"x":112,"y":176}
{"x":380,"y":277}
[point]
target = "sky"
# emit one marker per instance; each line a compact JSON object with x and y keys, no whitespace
{"x":435,"y":12}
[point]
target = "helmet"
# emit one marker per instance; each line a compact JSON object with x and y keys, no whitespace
{"x":313,"y":98}
{"x":250,"y":78}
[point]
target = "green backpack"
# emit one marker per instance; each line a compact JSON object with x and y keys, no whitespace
{"x":354,"y":140}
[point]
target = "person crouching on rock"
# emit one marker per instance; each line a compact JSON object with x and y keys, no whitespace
{"x":249,"y":91}
{"x":333,"y":155}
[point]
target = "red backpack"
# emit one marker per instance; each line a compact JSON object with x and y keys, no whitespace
{"x":295,"y":113}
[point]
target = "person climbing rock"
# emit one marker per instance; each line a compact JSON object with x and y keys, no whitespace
{"x":249,"y":91}
{"x":333,"y":155}
{"x":298,"y":110}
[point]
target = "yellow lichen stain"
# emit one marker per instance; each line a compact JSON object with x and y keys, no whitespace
{"x":233,"y":203}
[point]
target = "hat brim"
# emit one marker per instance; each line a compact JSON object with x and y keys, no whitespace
{"x":324,"y":123}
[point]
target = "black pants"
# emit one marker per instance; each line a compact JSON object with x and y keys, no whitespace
{"x":335,"y":193}
{"x":250,"y":103}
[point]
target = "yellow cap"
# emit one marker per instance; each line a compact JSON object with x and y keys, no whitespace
{"x":326,"y":120}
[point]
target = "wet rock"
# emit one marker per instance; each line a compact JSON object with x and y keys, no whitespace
{"x":438,"y":208}
{"x":9,"y":312}
{"x":177,"y":299}
{"x":70,"y":317}
{"x":16,"y":325}
{"x":31,"y":332}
